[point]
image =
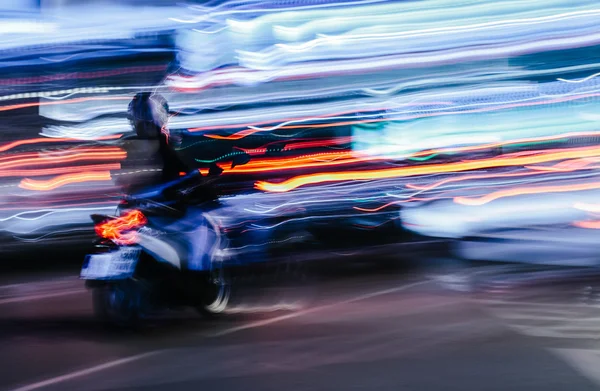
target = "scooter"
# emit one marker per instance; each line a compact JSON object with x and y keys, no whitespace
{"x":165,"y":249}
{"x":158,"y":251}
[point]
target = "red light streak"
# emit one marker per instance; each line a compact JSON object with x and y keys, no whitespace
{"x":346,"y":157}
{"x":80,"y":75}
{"x":290,"y":146}
{"x":60,"y":152}
{"x":57,"y":205}
{"x":318,"y":143}
{"x":117,"y":229}
{"x":246,"y":132}
{"x":315,"y":160}
{"x":60,"y":102}
{"x":40,"y":140}
{"x":242,"y":133}
{"x":323,"y":159}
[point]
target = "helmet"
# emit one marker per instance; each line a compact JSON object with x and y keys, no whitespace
{"x":148,"y":113}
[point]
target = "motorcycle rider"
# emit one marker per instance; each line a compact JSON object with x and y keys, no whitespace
{"x":148,"y":114}
{"x":193,"y":193}
{"x":156,"y":144}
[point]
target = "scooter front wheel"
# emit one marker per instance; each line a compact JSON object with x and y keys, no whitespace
{"x":216,"y":296}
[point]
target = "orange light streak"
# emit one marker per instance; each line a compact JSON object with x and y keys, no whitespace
{"x":235,"y":136}
{"x":505,"y":143}
{"x":59,"y":153}
{"x":36,"y":159}
{"x":573,"y":165}
{"x":587,"y":224}
{"x":411,"y":199}
{"x":60,"y":170}
{"x":382,"y":206}
{"x":62,"y":180}
{"x":469,"y":177}
{"x":346,"y":157}
{"x":525,"y":191}
{"x":568,"y":165}
{"x":302,"y":180}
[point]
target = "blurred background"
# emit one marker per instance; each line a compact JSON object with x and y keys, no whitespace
{"x":434,"y":161}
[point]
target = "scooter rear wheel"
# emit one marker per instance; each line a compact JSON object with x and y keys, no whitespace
{"x":119,"y":303}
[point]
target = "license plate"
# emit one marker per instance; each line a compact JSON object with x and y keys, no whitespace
{"x":116,"y":264}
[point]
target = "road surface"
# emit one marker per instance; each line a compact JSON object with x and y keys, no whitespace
{"x":376,"y":331}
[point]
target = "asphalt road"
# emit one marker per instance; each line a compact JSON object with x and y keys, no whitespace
{"x":376,"y":331}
